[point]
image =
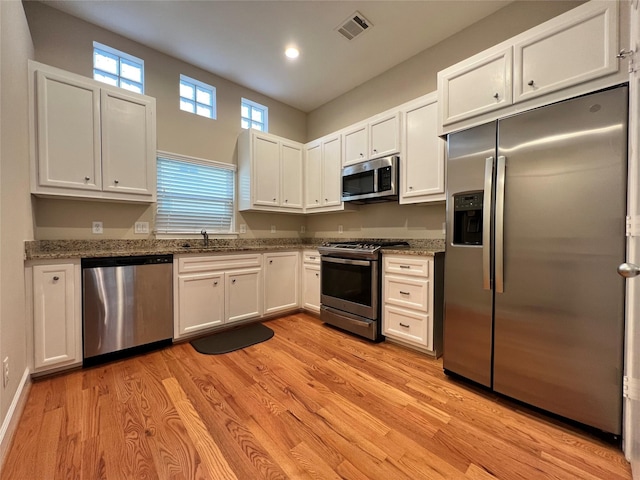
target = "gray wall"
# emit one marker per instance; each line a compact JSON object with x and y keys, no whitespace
{"x":66,"y":42}
{"x":15,"y":206}
{"x":411,"y":79}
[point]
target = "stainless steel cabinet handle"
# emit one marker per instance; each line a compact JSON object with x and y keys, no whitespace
{"x":628,"y":270}
{"x":87,"y":178}
{"x":56,"y":278}
{"x":233,"y":281}
{"x":530,"y":83}
{"x":405,"y":266}
{"x":496,"y":96}
{"x":317,"y":274}
{"x":404,"y":325}
{"x":215,"y":284}
{"x":116,"y":182}
{"x":404,"y":293}
{"x":270,"y":262}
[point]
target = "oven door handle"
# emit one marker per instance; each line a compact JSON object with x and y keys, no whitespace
{"x":346,"y":261}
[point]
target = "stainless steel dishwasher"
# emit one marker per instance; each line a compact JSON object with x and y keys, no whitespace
{"x":127,"y":302}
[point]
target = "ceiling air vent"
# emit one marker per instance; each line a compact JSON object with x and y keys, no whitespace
{"x":353,"y":26}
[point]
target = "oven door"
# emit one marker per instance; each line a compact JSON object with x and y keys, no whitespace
{"x":350,"y":285}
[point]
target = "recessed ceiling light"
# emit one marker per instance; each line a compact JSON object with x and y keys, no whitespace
{"x":292,"y":52}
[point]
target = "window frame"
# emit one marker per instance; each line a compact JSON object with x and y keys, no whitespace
{"x":203,"y":86}
{"x":254,"y":106}
{"x":120,"y":57}
{"x":168,"y":233}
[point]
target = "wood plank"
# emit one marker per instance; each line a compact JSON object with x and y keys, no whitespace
{"x":310,"y":403}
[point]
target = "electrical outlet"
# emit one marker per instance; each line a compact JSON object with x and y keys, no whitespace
{"x":5,"y":372}
{"x":243,"y":228}
{"x":303,"y":229}
{"x":97,"y":228}
{"x":340,"y":229}
{"x":141,"y":227}
{"x":273,"y":229}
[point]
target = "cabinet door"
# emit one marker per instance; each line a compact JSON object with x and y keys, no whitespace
{"x":479,"y":85}
{"x":422,"y":165}
{"x":280,"y":281}
{"x":243,"y":294}
{"x":384,"y":136}
{"x":356,"y":144}
{"x":312,"y":173}
{"x":311,"y":287}
{"x":200,"y":302}
{"x":291,"y":175}
{"x":332,"y":172}
{"x":128,"y":143}
{"x":266,"y":171}
{"x":68,"y":125}
{"x":57,"y":323}
{"x":582,"y":48}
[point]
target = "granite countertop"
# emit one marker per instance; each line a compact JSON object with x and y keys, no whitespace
{"x":58,"y":249}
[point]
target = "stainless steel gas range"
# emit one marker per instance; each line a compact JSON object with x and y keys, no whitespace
{"x":350,"y":293}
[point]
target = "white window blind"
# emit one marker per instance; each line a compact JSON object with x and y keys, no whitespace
{"x":194,"y":195}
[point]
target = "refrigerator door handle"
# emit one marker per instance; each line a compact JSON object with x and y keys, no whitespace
{"x":486,"y":224}
{"x":499,"y":238}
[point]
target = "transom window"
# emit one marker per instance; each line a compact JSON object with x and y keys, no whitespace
{"x":197,"y":97}
{"x":117,"y":68}
{"x":194,"y":195}
{"x":254,"y":115}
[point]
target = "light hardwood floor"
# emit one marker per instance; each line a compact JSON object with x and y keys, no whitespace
{"x":311,"y":403}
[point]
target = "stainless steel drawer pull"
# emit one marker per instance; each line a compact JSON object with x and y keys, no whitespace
{"x":56,"y":278}
{"x":404,"y":293}
{"x":405,"y":266}
{"x":317,"y":274}
{"x":215,"y":284}
{"x":404,"y":325}
{"x":233,"y":281}
{"x":312,"y":258}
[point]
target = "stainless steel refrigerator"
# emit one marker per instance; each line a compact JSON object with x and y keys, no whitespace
{"x":536,"y":209}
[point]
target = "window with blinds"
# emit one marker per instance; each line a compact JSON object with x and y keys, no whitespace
{"x":194,"y":195}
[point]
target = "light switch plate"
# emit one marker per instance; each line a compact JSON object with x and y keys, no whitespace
{"x":141,"y":227}
{"x":96,"y":228}
{"x":243,"y":228}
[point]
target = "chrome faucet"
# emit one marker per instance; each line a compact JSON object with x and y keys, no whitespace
{"x":206,"y":237}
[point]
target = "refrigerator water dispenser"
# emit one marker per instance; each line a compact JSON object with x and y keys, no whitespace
{"x":467,"y":218}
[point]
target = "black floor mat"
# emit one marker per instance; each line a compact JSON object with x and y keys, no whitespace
{"x":230,"y":340}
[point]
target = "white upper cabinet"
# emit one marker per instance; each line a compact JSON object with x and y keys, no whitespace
{"x":422,"y":162}
{"x":126,"y":118}
{"x":269,"y":173}
{"x":580,"y":49}
{"x":378,"y":137}
{"x":90,"y":140}
{"x":569,"y":55}
{"x":480,"y":84}
{"x":323,"y":181}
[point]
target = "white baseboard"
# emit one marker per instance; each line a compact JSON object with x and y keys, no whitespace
{"x":13,"y":415}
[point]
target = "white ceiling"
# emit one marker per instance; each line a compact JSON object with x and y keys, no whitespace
{"x":244,"y":41}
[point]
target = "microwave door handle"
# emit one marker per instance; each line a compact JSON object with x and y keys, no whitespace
{"x":375,"y":179}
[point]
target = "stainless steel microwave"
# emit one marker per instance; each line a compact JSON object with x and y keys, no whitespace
{"x":372,"y":180}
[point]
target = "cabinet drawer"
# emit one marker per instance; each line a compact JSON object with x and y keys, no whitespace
{"x":311,"y":256}
{"x":407,"y":325}
{"x":189,"y":263}
{"x":407,"y":292}
{"x":407,"y":265}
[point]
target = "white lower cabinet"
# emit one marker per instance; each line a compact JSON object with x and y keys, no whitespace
{"x":201,"y":301}
{"x":281,"y":281}
{"x":311,"y":280}
{"x":412,"y":296}
{"x":214,"y":290}
{"x":57,"y":317}
{"x":243,"y":295}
